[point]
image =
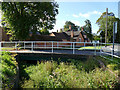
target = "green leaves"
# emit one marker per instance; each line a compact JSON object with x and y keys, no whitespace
{"x":73,"y":26}
{"x":102,"y":26}
{"x":23,"y":17}
{"x":69,"y":74}
{"x":8,"y":70}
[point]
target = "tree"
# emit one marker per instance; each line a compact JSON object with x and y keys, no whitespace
{"x":73,"y":26}
{"x":102,"y":25}
{"x":88,"y":29}
{"x":96,"y":37}
{"x":88,"y":26}
{"x":19,"y":18}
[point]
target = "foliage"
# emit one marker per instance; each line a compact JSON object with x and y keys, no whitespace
{"x":69,"y":74}
{"x":44,"y":32}
{"x":19,"y":18}
{"x":102,"y":26}
{"x":73,"y":26}
{"x":96,"y":37}
{"x":8,"y":70}
{"x":88,"y":29}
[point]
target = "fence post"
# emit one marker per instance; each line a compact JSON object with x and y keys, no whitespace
{"x":112,"y":52}
{"x":52,"y":47}
{"x":16,"y":45}
{"x":84,"y":45}
{"x":57,"y":44}
{"x":73,"y":49}
{"x":32,"y":46}
{"x":45,"y":44}
{"x":24,"y":45}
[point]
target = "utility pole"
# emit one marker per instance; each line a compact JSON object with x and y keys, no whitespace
{"x":106,"y":26}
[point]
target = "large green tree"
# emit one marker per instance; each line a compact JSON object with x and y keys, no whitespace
{"x":88,"y":29}
{"x":19,"y":18}
{"x":102,"y":25}
{"x":73,"y":26}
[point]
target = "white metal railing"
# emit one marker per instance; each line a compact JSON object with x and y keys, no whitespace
{"x":60,"y":45}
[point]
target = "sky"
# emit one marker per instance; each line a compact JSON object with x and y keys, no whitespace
{"x":78,"y":12}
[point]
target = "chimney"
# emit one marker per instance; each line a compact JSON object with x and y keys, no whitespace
{"x":72,"y":34}
{"x":69,"y":27}
{"x":82,"y":29}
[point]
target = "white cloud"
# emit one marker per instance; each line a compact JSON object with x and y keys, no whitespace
{"x":59,"y":24}
{"x":87,"y":15}
{"x":75,"y":15}
{"x":76,"y":22}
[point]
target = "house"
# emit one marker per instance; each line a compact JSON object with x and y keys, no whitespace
{"x":72,"y":36}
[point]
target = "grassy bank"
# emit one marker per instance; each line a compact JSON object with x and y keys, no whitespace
{"x":90,"y":48}
{"x":66,"y":74}
{"x":8,"y":70}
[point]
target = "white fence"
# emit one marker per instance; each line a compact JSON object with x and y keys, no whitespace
{"x":53,"y":45}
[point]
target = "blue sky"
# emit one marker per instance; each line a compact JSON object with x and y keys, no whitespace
{"x":78,"y":12}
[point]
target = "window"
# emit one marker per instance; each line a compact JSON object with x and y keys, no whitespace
{"x":79,"y":39}
{"x":85,"y":36}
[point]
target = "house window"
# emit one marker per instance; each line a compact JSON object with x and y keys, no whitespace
{"x":85,"y":36}
{"x":79,"y":39}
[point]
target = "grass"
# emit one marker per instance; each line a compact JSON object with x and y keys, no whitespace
{"x":9,"y":49}
{"x":112,"y":63}
{"x":90,"y":48}
{"x":8,"y":69}
{"x":66,"y":74}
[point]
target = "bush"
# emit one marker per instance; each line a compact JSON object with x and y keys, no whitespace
{"x":8,"y":70}
{"x":50,"y":74}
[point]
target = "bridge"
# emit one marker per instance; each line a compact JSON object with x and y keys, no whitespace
{"x":60,"y":49}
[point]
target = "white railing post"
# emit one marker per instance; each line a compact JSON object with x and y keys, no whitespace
{"x":45,"y":44}
{"x":16,"y":45}
{"x":57,"y":44}
{"x":52,"y":47}
{"x":84,"y":45}
{"x":112,"y":52}
{"x":24,"y":45}
{"x":32,"y":46}
{"x":73,"y":48}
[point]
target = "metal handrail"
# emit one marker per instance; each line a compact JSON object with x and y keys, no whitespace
{"x":55,"y":45}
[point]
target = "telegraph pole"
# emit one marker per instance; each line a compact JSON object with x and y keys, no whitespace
{"x":106,"y":26}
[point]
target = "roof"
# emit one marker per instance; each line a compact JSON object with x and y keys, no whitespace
{"x":61,"y":35}
{"x":44,"y":38}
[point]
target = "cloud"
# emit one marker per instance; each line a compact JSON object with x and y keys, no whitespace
{"x":87,"y":15}
{"x":75,"y":15}
{"x":76,"y":22}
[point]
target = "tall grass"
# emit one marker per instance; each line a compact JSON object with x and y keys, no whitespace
{"x":7,"y":70}
{"x":70,"y":74}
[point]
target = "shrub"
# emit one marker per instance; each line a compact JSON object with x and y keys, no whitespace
{"x":8,"y":70}
{"x":50,"y":74}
